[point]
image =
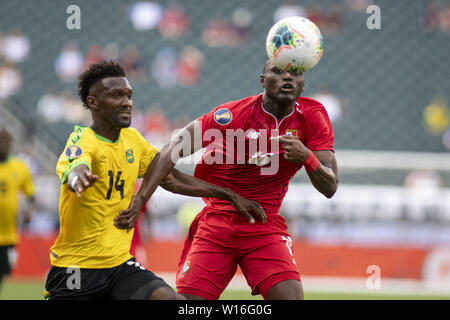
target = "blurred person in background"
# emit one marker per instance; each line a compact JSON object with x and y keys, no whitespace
{"x":288,"y":9}
{"x":165,"y":67}
{"x":332,"y":103}
{"x":10,"y":80}
{"x":190,"y":65}
{"x":174,"y":22}
{"x":70,"y":62}
{"x":134,"y":64}
{"x":15,"y":47}
{"x":15,"y":179}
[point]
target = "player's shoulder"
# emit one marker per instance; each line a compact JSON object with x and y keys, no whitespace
{"x":16,"y":160}
{"x":130,"y":133}
{"x":235,"y":109}
{"x":18,"y":163}
{"x":308,"y":106}
{"x":77,"y":134}
{"x":309,"y":103}
{"x":241,"y":104}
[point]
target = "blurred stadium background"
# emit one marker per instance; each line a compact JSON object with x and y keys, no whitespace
{"x":387,"y":92}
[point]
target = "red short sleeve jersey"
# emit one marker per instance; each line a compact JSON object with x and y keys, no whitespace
{"x":240,"y":155}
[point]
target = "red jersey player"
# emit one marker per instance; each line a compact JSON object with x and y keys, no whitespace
{"x":242,"y":140}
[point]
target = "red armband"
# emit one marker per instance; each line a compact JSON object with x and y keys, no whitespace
{"x":311,"y":163}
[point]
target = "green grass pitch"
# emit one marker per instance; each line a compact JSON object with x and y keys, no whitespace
{"x":34,"y":290}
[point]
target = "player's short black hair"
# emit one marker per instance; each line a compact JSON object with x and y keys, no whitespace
{"x":97,"y":71}
{"x":5,"y":134}
{"x":266,"y":66}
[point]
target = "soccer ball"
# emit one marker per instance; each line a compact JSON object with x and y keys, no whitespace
{"x":294,"y":44}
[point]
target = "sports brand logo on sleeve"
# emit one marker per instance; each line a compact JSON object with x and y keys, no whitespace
{"x":73,"y":152}
{"x":223,"y":116}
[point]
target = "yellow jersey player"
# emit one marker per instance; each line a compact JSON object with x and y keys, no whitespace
{"x":98,"y":170}
{"x":15,"y":178}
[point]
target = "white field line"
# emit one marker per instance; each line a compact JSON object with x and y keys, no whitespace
{"x":350,"y":285}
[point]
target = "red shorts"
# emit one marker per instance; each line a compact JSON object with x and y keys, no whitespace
{"x":218,"y":242}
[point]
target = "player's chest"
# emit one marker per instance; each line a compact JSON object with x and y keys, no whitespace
{"x":117,"y":168}
{"x":10,"y":179}
{"x":123,"y":158}
{"x":263,"y":125}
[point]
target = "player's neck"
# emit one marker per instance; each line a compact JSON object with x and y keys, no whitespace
{"x":279,"y":110}
{"x":112,"y":134}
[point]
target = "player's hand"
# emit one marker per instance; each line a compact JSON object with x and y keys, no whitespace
{"x":28,"y":214}
{"x":246,"y":207}
{"x":128,"y":218}
{"x":80,"y":179}
{"x":294,"y":149}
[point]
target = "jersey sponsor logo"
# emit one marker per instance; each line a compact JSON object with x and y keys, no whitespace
{"x":135,"y":264}
{"x":252,"y":134}
{"x":260,"y":159}
{"x":129,"y":155}
{"x":186,"y":267}
{"x":292,"y":132}
{"x":73,"y":152}
{"x":223,"y":116}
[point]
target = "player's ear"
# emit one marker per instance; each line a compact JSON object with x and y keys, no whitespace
{"x":261,"y":80}
{"x":91,"y":102}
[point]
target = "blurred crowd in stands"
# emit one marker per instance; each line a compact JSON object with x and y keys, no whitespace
{"x":182,"y":66}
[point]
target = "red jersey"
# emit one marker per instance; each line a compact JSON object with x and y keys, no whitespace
{"x":239,"y":149}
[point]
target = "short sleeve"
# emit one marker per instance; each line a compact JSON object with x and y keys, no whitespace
{"x":148,"y":153}
{"x":320,"y":135}
{"x":76,"y":152}
{"x":215,"y":123}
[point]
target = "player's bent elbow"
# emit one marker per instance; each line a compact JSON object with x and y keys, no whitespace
{"x":329,"y":194}
{"x":331,"y":191}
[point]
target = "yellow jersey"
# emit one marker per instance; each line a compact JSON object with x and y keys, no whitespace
{"x":87,"y":236}
{"x":15,"y":178}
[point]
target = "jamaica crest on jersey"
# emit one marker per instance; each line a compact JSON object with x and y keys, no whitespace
{"x":129,"y":155}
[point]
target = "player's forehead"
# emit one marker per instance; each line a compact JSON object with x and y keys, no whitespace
{"x":113,"y":83}
{"x":268,"y":65}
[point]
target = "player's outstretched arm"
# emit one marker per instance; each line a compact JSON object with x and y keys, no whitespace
{"x":178,"y":182}
{"x":187,"y":141}
{"x":30,"y":209}
{"x":184,"y":143}
{"x":80,"y":178}
{"x":321,"y":166}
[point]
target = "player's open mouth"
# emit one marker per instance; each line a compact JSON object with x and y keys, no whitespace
{"x":287,"y":87}
{"x":125,"y":114}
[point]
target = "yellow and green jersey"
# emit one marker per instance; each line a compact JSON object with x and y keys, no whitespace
{"x":88,"y":237}
{"x":15,"y":178}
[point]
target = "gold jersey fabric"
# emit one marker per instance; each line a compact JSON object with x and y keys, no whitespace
{"x":88,"y":237}
{"x":15,"y":178}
